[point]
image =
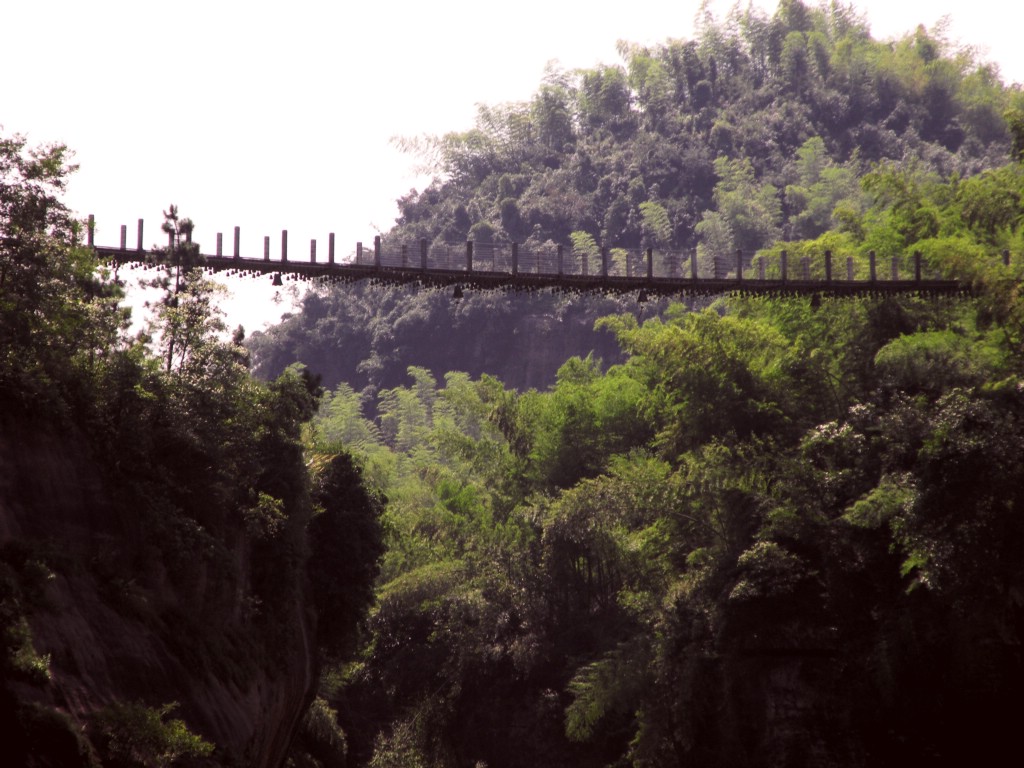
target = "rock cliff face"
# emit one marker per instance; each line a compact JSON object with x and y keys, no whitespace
{"x":116,"y":622}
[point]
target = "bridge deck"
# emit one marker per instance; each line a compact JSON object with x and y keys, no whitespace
{"x":533,"y":273}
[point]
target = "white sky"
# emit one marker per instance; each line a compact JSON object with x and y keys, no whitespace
{"x":274,"y":116}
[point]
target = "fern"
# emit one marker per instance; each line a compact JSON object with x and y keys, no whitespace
{"x":611,"y":684}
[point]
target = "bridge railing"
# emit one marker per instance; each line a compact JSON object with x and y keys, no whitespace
{"x":808,"y":267}
{"x":700,"y":264}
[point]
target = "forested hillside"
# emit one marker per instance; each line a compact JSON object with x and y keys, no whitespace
{"x":781,"y":535}
{"x":761,"y":130}
{"x":757,"y":130}
{"x":171,"y":570}
{"x":538,"y":529}
{"x":769,"y":532}
{"x":782,"y":532}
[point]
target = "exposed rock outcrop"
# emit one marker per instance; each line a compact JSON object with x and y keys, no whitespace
{"x":117,"y":622}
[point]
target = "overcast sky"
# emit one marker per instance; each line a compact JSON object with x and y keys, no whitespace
{"x":274,"y":116}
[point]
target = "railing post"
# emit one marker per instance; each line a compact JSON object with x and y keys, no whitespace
{"x":650,"y":263}
{"x":693,"y":265}
{"x":515,"y":258}
{"x":124,"y":237}
{"x":139,"y":246}
{"x":871,"y":266}
{"x":739,"y":265}
{"x":423,"y":254}
{"x":284,"y":245}
{"x":238,"y":241}
{"x":604,"y":262}
{"x":266,"y":247}
{"x":560,"y":262}
{"x":359,"y":253}
{"x":312,"y":251}
{"x":92,"y":231}
{"x":469,"y":255}
{"x":828,"y":266}
{"x":330,"y":248}
{"x":917,"y":266}
{"x":895,"y":268}
{"x":376,"y":251}
{"x":220,"y":244}
{"x":784,"y":265}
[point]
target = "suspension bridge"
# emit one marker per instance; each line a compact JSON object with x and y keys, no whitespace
{"x":508,"y":266}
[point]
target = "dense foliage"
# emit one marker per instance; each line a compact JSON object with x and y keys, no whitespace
{"x":192,"y":507}
{"x":757,"y":129}
{"x":777,"y":533}
{"x":774,"y":532}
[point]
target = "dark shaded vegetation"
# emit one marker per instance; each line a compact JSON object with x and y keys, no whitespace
{"x":160,"y":494}
{"x":368,"y":335}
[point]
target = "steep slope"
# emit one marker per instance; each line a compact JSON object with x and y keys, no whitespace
{"x":120,"y":621}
